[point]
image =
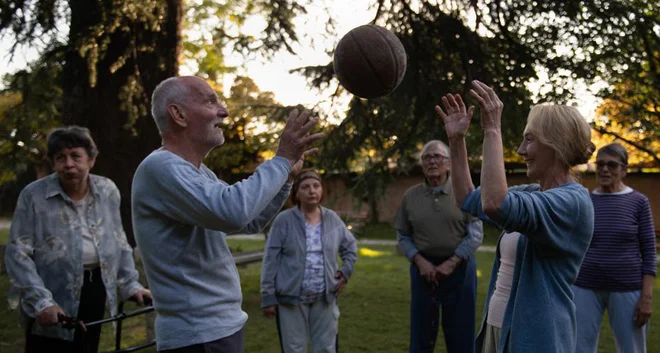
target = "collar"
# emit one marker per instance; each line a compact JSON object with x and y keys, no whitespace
{"x":301,"y":215}
{"x":446,"y":188}
{"x":626,"y":190}
{"x":54,"y":188}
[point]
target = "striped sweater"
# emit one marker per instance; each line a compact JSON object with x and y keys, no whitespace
{"x":622,"y":249}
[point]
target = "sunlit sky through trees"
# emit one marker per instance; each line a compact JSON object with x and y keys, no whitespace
{"x":314,"y":49}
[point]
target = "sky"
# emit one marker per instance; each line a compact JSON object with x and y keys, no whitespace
{"x":292,"y":89}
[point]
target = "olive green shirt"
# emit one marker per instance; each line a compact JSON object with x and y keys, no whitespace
{"x":431,"y":218}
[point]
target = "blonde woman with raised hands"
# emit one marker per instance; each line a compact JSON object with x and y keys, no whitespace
{"x":546,"y":227}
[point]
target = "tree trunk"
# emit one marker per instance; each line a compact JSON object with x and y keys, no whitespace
{"x":122,"y":144}
{"x":373,"y":206}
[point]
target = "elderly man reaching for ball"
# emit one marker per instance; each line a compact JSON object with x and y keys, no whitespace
{"x":182,"y":212}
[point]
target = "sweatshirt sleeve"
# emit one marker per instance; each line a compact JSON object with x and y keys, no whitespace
{"x":472,"y":203}
{"x":19,"y":254}
{"x":271,"y":261}
{"x":404,"y":231}
{"x":347,"y":251}
{"x":472,"y":240}
{"x":647,"y":240}
{"x":547,"y":218}
{"x":406,"y":244}
{"x":189,"y":196}
{"x":269,"y":212}
{"x":127,"y":274}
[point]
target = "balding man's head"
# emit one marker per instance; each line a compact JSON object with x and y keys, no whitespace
{"x":174,"y":90}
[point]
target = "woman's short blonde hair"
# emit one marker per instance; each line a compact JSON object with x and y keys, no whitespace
{"x":563,"y":129}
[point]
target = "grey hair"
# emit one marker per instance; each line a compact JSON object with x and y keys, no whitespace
{"x":70,"y":137}
{"x":169,"y":91}
{"x":615,"y":150}
{"x":434,"y":143}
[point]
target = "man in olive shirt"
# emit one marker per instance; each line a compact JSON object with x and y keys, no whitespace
{"x":440,"y":241}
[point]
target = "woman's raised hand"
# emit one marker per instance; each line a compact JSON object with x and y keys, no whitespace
{"x":490,"y":104}
{"x":457,"y":118}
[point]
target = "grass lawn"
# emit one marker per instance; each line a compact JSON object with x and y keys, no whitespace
{"x":241,"y":245}
{"x":374,"y":309}
{"x":387,"y":231}
{"x":4,"y":236}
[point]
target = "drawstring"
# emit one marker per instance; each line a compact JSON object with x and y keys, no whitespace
{"x":91,"y":274}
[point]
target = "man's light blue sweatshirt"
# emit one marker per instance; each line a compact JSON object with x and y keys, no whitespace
{"x":181,"y":215}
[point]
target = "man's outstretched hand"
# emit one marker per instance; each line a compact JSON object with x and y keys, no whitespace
{"x":296,"y":137}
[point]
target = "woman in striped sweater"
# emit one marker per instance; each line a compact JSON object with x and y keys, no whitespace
{"x":618,"y":271}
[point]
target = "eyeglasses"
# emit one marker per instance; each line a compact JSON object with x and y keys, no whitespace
{"x":609,"y":164}
{"x":434,"y":157}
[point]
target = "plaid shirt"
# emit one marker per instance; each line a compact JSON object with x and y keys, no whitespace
{"x":44,"y":254}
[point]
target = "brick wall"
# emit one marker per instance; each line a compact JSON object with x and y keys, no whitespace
{"x":338,"y":197}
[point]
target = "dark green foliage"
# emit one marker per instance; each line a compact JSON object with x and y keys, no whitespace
{"x":28,"y":109}
{"x":444,"y":56}
{"x":221,"y":22}
{"x":502,"y":43}
{"x":114,"y":55}
{"x":614,"y":41}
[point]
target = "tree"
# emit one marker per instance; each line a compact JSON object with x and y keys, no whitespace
{"x":115,"y":53}
{"x":505,"y":43}
{"x":640,"y":156}
{"x":614,"y":41}
{"x":631,"y":115}
{"x":27,"y":112}
{"x":444,"y":55}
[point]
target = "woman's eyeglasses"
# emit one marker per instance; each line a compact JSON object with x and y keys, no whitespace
{"x":609,"y":164}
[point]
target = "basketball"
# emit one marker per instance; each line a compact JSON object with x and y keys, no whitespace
{"x":370,"y":61}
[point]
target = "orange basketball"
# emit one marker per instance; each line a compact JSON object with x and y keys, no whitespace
{"x":370,"y":61}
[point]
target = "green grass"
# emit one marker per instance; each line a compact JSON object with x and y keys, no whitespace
{"x":387,"y":231}
{"x":12,"y":334}
{"x":374,"y":309}
{"x":375,"y":231}
{"x":133,"y":332}
{"x":4,"y":236}
{"x":243,"y":245}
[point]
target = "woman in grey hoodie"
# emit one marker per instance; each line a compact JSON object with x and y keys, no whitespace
{"x":301,"y":278}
